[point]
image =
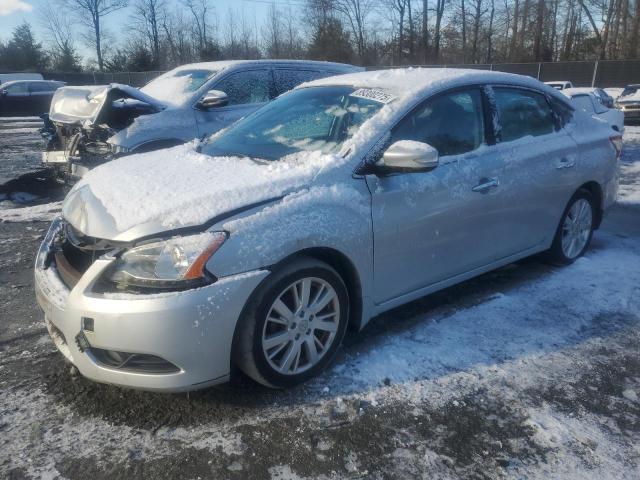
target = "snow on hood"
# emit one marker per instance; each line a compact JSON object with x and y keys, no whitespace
{"x":154,"y":192}
{"x":82,"y":104}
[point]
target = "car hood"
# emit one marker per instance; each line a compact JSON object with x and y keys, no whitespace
{"x":157,"y":192}
{"x":82,"y":105}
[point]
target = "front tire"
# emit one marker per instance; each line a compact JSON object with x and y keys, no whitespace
{"x":294,"y":323}
{"x":575,"y":230}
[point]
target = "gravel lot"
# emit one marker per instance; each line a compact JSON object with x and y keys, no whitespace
{"x":530,"y":371}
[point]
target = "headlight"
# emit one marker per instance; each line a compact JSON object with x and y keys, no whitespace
{"x":174,"y":263}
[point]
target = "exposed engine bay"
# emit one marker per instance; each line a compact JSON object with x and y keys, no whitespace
{"x":81,"y":122}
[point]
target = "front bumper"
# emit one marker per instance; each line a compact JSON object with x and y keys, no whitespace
{"x":192,"y":330}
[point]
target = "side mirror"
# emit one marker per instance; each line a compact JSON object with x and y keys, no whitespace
{"x":408,"y":156}
{"x":213,"y":98}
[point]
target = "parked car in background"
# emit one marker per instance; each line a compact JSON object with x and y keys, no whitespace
{"x":559,"y":84}
{"x":586,"y":99}
{"x":629,"y":102}
{"x":94,"y":124}
{"x":601,"y":95}
{"x":339,"y":200}
{"x":27,"y":97}
{"x":10,"y":77}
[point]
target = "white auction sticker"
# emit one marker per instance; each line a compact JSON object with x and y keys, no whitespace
{"x":373,"y":94}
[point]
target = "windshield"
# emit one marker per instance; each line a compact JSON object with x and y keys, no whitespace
{"x":309,"y":119}
{"x":630,"y":91}
{"x":176,"y":86}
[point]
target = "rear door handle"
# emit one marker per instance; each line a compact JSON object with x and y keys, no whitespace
{"x":486,"y":184}
{"x":565,"y":163}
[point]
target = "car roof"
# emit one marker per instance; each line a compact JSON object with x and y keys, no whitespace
{"x":13,"y":82}
{"x":405,"y":83}
{"x":557,"y":81}
{"x":579,"y":90}
{"x":224,"y":64}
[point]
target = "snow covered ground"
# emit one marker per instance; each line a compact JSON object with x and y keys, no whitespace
{"x":530,"y":371}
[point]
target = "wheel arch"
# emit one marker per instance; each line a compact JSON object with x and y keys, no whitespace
{"x":347,"y":270}
{"x":595,"y":190}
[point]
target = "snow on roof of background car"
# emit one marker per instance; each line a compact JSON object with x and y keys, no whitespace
{"x":578,"y":91}
{"x":405,"y":83}
{"x":222,"y":64}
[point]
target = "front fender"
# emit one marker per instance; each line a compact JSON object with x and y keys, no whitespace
{"x":333,"y":217}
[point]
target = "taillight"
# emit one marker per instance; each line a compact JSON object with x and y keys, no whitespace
{"x":616,"y":141}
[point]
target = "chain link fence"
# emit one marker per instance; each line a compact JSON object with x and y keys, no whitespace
{"x":603,"y":73}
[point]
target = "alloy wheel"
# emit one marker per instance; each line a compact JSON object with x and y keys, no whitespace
{"x":576,"y":228}
{"x":301,"y":325}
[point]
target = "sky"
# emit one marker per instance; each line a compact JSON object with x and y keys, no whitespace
{"x":14,"y":12}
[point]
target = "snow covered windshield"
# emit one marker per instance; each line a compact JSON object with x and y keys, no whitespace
{"x":309,"y":119}
{"x":176,"y":86}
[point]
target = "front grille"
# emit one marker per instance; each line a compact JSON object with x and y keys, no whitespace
{"x":74,"y":254}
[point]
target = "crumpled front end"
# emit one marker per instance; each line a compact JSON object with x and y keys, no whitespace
{"x":81,"y":122}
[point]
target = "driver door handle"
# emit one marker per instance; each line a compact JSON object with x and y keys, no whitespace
{"x":486,"y":184}
{"x":565,"y":163}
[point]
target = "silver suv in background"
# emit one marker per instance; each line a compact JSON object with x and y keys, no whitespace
{"x":90,"y":125}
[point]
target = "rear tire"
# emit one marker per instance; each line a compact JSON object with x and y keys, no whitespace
{"x":292,"y":326}
{"x":575,"y":230}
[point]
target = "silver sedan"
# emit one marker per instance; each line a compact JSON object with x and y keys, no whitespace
{"x":341,"y":199}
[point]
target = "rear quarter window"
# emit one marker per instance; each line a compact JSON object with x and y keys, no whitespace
{"x":523,"y":113}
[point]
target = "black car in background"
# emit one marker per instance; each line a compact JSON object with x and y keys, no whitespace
{"x":27,"y":97}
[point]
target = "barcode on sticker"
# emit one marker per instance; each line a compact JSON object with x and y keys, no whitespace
{"x":373,"y":94}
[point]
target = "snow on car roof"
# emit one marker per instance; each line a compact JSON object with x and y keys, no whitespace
{"x":223,"y":64}
{"x":405,"y":83}
{"x":578,"y":91}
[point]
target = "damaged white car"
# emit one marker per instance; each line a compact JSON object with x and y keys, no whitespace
{"x":90,"y":125}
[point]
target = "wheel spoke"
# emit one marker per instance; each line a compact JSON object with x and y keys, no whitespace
{"x":284,"y":311}
{"x":279,"y":321}
{"x":276,"y":340}
{"x":312,"y":350}
{"x":325,"y":326}
{"x":322,"y":302}
{"x":290,"y":356}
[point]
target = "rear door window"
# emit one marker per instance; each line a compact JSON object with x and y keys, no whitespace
{"x":17,"y":88}
{"x":452,"y":123}
{"x":287,"y":79}
{"x":522,"y":113}
{"x":40,"y":87}
{"x":251,"y":86}
{"x":583,"y":102}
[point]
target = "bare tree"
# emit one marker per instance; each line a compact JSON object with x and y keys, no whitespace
{"x":91,"y":13}
{"x":356,"y":13}
{"x":147,"y":16}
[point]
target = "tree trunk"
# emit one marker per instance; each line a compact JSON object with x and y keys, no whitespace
{"x":96,"y":28}
{"x":464,"y":31}
{"x":514,"y":31}
{"x":490,"y":33}
{"x":425,"y":29}
{"x":537,"y":47}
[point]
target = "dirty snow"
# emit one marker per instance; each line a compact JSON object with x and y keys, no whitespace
{"x":36,"y":213}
